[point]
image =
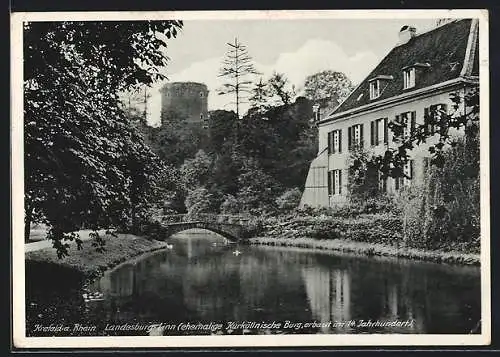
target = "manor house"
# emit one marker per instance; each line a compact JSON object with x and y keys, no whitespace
{"x":417,"y":76}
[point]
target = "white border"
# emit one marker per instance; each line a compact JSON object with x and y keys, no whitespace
{"x":19,"y":339}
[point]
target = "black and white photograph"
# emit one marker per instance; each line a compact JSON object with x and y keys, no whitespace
{"x":250,"y":178}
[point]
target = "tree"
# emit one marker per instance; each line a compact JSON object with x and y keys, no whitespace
{"x":196,"y":171}
{"x":363,"y":176}
{"x":257,"y":189}
{"x":236,"y":67}
{"x":259,"y":98}
{"x":279,"y":90}
{"x":175,"y":140}
{"x":86,"y":164}
{"x":282,"y":140}
{"x":327,"y":88}
{"x":438,"y":123}
{"x":221,"y":130}
{"x":200,"y":200}
{"x":230,"y":205}
{"x":445,"y":209}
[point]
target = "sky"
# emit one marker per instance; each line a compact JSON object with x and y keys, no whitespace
{"x":295,"y":47}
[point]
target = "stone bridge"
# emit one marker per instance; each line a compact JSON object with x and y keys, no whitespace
{"x":232,"y":227}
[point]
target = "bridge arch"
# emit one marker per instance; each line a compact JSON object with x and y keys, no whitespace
{"x":172,"y":229}
{"x":234,"y":228}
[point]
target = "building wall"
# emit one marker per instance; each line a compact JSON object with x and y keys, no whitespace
{"x":339,"y":161}
{"x":316,"y":188}
{"x":187,"y":99}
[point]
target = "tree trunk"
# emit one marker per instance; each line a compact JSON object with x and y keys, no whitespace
{"x":27,"y":224}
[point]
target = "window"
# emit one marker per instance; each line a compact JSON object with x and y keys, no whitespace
{"x":335,"y":141}
{"x":382,"y":183}
{"x":408,"y":171}
{"x":201,"y":94}
{"x":316,"y":113}
{"x":401,"y":182}
{"x":334,"y":182}
{"x":407,"y":120}
{"x":409,"y":78}
{"x":379,"y":132}
{"x":374,"y":89}
{"x":355,"y":134}
{"x":434,"y":116}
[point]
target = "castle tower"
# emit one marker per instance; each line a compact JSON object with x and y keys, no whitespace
{"x":188,"y":100}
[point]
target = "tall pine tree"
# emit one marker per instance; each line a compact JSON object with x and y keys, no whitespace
{"x":237,"y":67}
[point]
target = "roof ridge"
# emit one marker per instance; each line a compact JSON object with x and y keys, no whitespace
{"x":351,"y":100}
{"x":434,"y":28}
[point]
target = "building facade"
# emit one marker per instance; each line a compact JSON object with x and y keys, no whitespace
{"x":187,"y":100}
{"x":417,"y":77}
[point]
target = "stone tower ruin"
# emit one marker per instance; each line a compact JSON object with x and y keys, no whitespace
{"x":186,"y":100}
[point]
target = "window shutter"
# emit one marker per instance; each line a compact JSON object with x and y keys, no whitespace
{"x":329,"y":141}
{"x":361,"y":136}
{"x":386,"y":132}
{"x":413,"y":122}
{"x":334,"y":189}
{"x":340,"y":140}
{"x":349,"y":138}
{"x":372,"y":137}
{"x":340,"y":182}
{"x":428,"y":126}
{"x":329,"y":183}
{"x":444,"y":117}
{"x":411,"y":168}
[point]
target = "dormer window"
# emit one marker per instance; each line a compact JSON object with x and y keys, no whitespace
{"x":377,"y":85}
{"x":374,"y":89}
{"x":409,"y":78}
{"x":411,"y":72}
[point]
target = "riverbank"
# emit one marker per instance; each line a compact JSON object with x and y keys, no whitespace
{"x":371,"y":249}
{"x":365,"y":234}
{"x":87,"y":263}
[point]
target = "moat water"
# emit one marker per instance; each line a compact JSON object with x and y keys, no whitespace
{"x":206,"y":285}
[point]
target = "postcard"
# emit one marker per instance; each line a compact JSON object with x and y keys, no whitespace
{"x":250,"y":179}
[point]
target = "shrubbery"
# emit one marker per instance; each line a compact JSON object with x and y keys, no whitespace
{"x":444,"y":212}
{"x":371,"y":228}
{"x":289,"y":200}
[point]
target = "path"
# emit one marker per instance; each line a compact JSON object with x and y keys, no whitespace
{"x":46,"y":243}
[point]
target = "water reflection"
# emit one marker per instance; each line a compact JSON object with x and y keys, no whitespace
{"x":199,"y":281}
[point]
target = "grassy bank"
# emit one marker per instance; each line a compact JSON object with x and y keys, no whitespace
{"x":55,"y":287}
{"x":371,"y":249}
{"x":87,"y":262}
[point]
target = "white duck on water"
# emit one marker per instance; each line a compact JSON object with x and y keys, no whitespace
{"x":236,"y":252}
{"x":93,"y":296}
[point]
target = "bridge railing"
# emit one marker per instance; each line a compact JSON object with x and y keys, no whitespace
{"x":207,"y":217}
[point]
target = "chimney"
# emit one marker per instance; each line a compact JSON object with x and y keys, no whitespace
{"x":406,"y":34}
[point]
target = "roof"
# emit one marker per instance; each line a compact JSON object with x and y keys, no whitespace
{"x":444,"y":48}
